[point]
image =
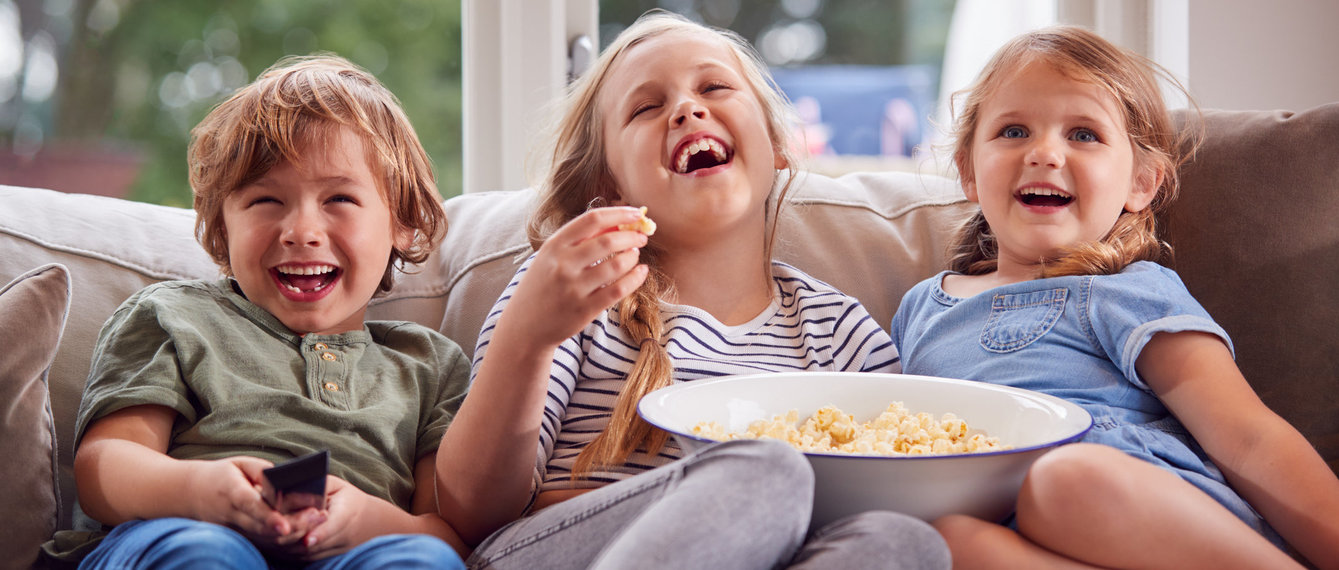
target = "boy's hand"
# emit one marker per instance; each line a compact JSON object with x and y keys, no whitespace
{"x":582,"y":269}
{"x":339,"y":531}
{"x":227,"y":492}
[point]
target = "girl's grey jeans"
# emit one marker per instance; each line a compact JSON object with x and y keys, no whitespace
{"x":734,"y":505}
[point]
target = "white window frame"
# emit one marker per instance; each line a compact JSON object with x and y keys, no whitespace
{"x":1157,"y":29}
{"x":515,"y":63}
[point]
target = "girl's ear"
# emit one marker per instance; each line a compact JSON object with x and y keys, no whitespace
{"x":1144,"y":188}
{"x":969,"y":190}
{"x":968,"y":183}
{"x":779,"y":161}
{"x":966,"y":178}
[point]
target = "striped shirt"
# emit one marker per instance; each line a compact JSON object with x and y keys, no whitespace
{"x":808,"y":326}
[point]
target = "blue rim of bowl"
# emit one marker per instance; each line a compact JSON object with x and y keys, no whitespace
{"x":853,"y":456}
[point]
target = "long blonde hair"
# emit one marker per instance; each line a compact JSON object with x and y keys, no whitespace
{"x":578,"y":176}
{"x":1158,"y":146}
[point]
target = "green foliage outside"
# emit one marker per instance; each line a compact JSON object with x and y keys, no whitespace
{"x":140,"y":82}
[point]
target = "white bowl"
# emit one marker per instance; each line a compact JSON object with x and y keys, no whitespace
{"x":984,"y":485}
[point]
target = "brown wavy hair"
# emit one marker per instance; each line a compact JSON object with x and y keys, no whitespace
{"x":578,"y":176}
{"x":300,"y":101}
{"x":1132,"y":81}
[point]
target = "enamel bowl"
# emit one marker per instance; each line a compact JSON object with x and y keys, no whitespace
{"x":984,"y":485}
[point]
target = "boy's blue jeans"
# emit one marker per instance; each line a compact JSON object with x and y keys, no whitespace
{"x":172,"y":543}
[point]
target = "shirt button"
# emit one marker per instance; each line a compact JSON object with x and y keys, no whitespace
{"x":331,"y":386}
{"x":328,"y":356}
{"x":319,"y":346}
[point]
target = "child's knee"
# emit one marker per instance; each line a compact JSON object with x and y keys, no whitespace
{"x":182,"y":542}
{"x":203,"y":537}
{"x":905,"y":532}
{"x":1080,"y":477}
{"x":884,"y":539}
{"x":407,"y":551}
{"x":766,"y":462}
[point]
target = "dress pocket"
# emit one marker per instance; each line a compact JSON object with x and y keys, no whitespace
{"x":1019,"y":319}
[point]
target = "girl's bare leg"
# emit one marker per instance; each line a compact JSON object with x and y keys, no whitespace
{"x":1093,"y":504}
{"x":975,"y":543}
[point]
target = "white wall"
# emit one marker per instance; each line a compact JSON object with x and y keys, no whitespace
{"x":1248,"y":54}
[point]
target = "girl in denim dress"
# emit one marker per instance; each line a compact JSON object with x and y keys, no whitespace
{"x":1067,"y":146}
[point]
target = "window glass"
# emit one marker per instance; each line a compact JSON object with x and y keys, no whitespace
{"x":99,"y":96}
{"x":863,"y":74}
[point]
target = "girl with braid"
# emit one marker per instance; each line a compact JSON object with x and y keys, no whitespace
{"x":547,"y":463}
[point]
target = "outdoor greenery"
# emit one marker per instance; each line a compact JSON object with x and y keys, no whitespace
{"x":147,"y":79}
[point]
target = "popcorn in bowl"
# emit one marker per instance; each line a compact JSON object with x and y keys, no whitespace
{"x":983,"y":483}
{"x":894,"y":432}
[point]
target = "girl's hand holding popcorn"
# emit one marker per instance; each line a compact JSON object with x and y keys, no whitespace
{"x":583,"y":269}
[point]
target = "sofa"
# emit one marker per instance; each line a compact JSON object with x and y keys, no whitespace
{"x":1253,"y":233}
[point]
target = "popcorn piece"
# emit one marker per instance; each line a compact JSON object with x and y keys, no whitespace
{"x":644,"y":225}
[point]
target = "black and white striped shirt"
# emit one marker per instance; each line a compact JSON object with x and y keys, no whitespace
{"x":808,"y":326}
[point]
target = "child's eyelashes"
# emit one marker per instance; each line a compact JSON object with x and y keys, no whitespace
{"x":1084,"y":136}
{"x":262,"y":200}
{"x":1013,"y":132}
{"x":714,"y":86}
{"x":642,"y":108}
{"x":275,"y":201}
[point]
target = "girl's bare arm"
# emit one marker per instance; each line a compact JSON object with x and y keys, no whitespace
{"x":486,"y":462}
{"x":1263,"y":456}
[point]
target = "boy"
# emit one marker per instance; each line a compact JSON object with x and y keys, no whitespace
{"x":310,"y":186}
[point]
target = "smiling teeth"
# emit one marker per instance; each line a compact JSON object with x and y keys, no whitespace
{"x":716,"y":148}
{"x":1043,"y":192}
{"x":305,"y":269}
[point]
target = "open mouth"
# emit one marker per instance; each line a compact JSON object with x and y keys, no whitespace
{"x":1044,"y":197}
{"x":698,"y":154}
{"x":305,"y":278}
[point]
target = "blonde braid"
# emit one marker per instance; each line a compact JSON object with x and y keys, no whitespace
{"x":639,"y":314}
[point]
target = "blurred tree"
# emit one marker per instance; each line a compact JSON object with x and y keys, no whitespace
{"x":141,"y":73}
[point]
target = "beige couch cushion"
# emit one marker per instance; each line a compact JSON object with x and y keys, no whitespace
{"x":32,"y":315}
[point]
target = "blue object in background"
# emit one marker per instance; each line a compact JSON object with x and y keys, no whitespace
{"x":861,"y":109}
